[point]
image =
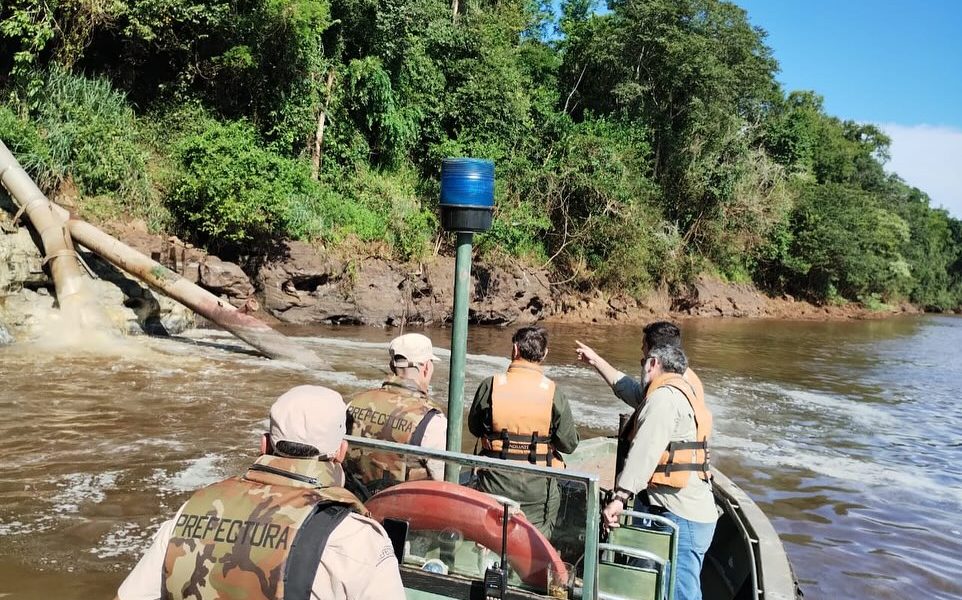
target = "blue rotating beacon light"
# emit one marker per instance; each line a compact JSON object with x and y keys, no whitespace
{"x":467,"y":207}
{"x":467,"y":194}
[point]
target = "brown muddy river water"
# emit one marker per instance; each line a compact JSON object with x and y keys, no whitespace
{"x":846,"y":434}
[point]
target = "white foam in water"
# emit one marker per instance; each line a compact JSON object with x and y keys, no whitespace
{"x":14,"y":528}
{"x":871,"y":474}
{"x":273,"y":363}
{"x":199,"y":472}
{"x":43,"y":523}
{"x":345,"y":379}
{"x":348,"y":343}
{"x":750,"y":447}
{"x":78,"y":488}
{"x":148,"y":443}
{"x":838,"y":405}
{"x":571,"y":371}
{"x":123,"y":540}
{"x":596,"y":416}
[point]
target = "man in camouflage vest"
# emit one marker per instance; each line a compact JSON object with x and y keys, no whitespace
{"x":399,"y":411}
{"x":284,"y":530}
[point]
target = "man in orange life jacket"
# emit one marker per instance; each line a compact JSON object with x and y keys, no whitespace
{"x":665,"y":454}
{"x":521,"y":415}
{"x":630,"y":391}
{"x":286,"y":529}
{"x":399,"y":411}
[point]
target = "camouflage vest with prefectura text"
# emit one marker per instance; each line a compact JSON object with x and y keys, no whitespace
{"x":256,"y":537}
{"x":397,"y":412}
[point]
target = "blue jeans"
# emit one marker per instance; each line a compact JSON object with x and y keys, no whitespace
{"x":694,"y":538}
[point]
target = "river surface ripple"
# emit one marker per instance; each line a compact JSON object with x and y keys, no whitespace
{"x":846,"y":434}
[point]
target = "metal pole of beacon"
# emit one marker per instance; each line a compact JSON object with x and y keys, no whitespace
{"x":467,"y":205}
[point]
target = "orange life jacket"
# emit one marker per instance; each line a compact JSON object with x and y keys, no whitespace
{"x":681,"y":458}
{"x":695,"y":382}
{"x":521,"y":404}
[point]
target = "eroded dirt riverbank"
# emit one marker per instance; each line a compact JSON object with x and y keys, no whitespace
{"x":301,"y":284}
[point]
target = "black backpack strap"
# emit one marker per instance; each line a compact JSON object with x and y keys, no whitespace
{"x":309,"y":543}
{"x":418,"y":436}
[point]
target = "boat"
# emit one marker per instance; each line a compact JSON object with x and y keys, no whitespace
{"x":453,"y":541}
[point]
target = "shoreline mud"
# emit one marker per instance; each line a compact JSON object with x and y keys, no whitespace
{"x":302,"y":284}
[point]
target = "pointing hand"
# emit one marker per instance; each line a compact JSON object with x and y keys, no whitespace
{"x":586,"y":354}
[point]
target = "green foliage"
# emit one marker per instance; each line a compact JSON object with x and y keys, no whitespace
{"x":697,"y":76}
{"x":840,"y":241}
{"x":232,"y":192}
{"x":518,"y":230}
{"x":399,"y":218}
{"x":90,"y":126}
{"x":24,"y":139}
{"x":83,"y":130}
{"x":26,"y":28}
{"x":634,"y":148}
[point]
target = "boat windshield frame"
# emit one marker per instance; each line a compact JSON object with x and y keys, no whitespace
{"x":591,"y":482}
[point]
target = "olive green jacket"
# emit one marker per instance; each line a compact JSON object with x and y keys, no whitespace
{"x":564,"y":438}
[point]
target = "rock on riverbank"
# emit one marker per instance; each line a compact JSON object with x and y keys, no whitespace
{"x":27,"y":301}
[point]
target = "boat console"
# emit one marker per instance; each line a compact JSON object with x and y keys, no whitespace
{"x":455,"y":534}
{"x":451,"y":537}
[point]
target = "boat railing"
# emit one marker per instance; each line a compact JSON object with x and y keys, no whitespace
{"x":589,"y":480}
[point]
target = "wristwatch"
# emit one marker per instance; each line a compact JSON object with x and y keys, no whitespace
{"x":623,"y":495}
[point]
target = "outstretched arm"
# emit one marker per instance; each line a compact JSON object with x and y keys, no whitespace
{"x":626,"y":388}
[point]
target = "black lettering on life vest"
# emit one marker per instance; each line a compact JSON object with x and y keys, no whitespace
{"x":233,"y":531}
{"x":188,"y":524}
{"x":233,"y":523}
{"x":220,"y":528}
{"x":271,"y":534}
{"x":375,"y":417}
{"x":245,"y":532}
{"x":259,"y":540}
{"x":197,"y":526}
{"x":211,"y":526}
{"x":283,"y":538}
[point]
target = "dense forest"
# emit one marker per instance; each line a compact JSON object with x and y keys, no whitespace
{"x":637,"y":144}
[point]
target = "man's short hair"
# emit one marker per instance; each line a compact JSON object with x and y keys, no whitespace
{"x":532,"y":343}
{"x":662,"y":333}
{"x":672,"y":358}
{"x":295,"y":449}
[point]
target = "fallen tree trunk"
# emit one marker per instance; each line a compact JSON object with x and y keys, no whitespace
{"x":58,"y":230}
{"x":250,"y":329}
{"x":68,"y":276}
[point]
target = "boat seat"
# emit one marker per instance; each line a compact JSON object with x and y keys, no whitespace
{"x":650,"y":533}
{"x":645,"y":578}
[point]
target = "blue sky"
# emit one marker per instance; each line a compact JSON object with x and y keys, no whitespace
{"x":896,"y":63}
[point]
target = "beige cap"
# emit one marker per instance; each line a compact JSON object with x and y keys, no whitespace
{"x":411,"y":349}
{"x":310,"y":414}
